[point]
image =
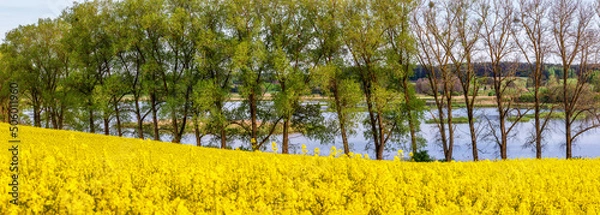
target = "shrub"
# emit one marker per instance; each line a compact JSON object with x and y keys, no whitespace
{"x":527,"y":97}
{"x":422,"y":156}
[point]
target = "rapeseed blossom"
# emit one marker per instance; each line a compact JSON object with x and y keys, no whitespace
{"x":111,"y":175}
{"x":304,"y":150}
{"x":274,"y":146}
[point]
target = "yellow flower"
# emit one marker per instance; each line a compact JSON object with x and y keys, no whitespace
{"x":119,"y":174}
{"x":304,"y":150}
{"x":274,"y":146}
{"x":333,"y":151}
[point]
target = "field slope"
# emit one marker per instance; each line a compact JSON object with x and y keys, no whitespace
{"x":66,"y":172}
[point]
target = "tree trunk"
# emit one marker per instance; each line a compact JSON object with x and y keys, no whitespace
{"x":154,"y":115}
{"x":450,"y":133}
{"x":411,"y":117}
{"x":138,"y":116}
{"x":37,"y":118}
{"x":503,"y":134}
{"x":567,"y":106}
{"x":61,"y":116}
{"x":569,"y":141}
{"x":473,"y":134}
{"x":381,"y":136}
{"x":413,"y":133}
{"x":466,"y":85}
{"x":442,"y":126}
{"x":254,"y":129}
{"x":504,"y":141}
{"x":118,"y":117}
{"x":91,"y":120}
{"x":345,"y":139}
{"x":197,"y":133}
{"x":448,"y":93}
{"x":286,"y":138}
{"x":53,"y":118}
{"x":175,"y":124}
{"x":223,"y":137}
{"x":372,"y":118}
{"x":341,"y":120}
{"x":503,"y":148}
{"x":106,"y":124}
{"x":222,"y":126}
{"x":537,"y":109}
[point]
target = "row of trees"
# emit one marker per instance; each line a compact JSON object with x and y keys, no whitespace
{"x":208,"y":67}
{"x":175,"y":64}
{"x":455,"y":36}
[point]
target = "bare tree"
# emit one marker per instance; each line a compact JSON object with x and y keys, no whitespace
{"x":575,"y":40}
{"x":532,"y":38}
{"x":433,"y":25}
{"x":466,"y":31}
{"x":497,"y":18}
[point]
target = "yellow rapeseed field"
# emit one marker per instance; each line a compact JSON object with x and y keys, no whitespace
{"x":64,"y":172}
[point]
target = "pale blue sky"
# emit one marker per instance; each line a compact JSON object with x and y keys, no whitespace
{"x":21,"y":12}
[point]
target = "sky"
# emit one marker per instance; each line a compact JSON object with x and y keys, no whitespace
{"x":21,"y":12}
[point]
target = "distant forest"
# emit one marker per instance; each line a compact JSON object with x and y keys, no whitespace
{"x":522,"y":70}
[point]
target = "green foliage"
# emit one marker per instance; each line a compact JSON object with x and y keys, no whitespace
{"x":422,"y":156}
{"x":595,"y":81}
{"x":173,"y":62}
{"x":527,"y":97}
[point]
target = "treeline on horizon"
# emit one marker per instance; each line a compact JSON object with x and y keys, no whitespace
{"x":523,"y":70}
{"x":149,"y":68}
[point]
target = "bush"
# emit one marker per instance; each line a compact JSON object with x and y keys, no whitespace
{"x":527,"y":97}
{"x":422,"y":156}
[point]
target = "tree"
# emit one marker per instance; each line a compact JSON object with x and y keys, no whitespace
{"x":34,"y":54}
{"x":250,"y":62}
{"x":93,"y":51}
{"x":433,"y":30}
{"x":532,"y":38}
{"x":574,"y":39}
{"x":287,"y":38}
{"x":4,"y":87}
{"x":176,"y":65}
{"x":361,"y":33}
{"x":131,"y":58}
{"x":497,"y":17}
{"x":214,"y":90}
{"x":335,"y":82}
{"x":467,"y":30}
{"x":150,"y":19}
{"x":400,"y":54}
